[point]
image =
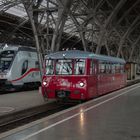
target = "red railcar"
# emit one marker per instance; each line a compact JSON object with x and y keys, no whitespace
{"x":81,"y":75}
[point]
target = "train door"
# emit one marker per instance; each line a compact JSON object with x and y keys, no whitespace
{"x":102,"y":81}
{"x":92,"y":78}
{"x":96,"y":65}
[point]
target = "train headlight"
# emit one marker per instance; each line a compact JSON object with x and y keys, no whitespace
{"x":81,"y":84}
{"x":44,"y":83}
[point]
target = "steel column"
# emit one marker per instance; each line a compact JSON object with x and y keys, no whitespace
{"x":29,"y":10}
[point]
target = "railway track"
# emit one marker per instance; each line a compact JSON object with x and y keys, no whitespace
{"x":23,"y":117}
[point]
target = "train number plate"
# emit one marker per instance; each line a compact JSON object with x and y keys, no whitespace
{"x":61,"y":94}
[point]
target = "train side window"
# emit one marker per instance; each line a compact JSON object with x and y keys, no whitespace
{"x":36,"y":64}
{"x":102,"y":67}
{"x":108,"y":68}
{"x":122,"y":68}
{"x":117,"y":68}
{"x":79,"y":67}
{"x":91,"y":67}
{"x":113,"y":68}
{"x":24,"y":67}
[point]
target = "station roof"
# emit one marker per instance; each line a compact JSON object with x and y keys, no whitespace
{"x":117,"y":20}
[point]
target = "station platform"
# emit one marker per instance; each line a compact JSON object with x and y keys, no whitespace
{"x":114,"y":116}
{"x":21,"y":100}
{"x":17,"y":105}
{"x":17,"y":101}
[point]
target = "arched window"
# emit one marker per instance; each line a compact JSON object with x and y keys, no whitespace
{"x":24,"y":67}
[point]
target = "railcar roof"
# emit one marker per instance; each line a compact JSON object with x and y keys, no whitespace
{"x":19,"y":48}
{"x":81,"y":54}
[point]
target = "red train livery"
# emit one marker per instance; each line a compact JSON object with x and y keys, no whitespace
{"x":81,"y":75}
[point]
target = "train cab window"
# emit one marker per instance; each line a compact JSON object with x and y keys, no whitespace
{"x":24,"y":67}
{"x":63,"y":67}
{"x":6,"y":59}
{"x":49,"y":67}
{"x":79,"y":67}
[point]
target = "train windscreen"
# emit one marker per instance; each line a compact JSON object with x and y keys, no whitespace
{"x":6,"y":59}
{"x":64,"y":67}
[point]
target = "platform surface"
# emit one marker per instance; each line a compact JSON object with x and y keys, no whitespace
{"x":17,"y":101}
{"x":115,"y":116}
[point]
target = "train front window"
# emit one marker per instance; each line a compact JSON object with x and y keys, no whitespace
{"x":63,"y":67}
{"x":6,"y":59}
{"x":79,"y":67}
{"x":49,"y":67}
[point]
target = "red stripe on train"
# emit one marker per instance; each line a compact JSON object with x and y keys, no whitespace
{"x":24,"y":75}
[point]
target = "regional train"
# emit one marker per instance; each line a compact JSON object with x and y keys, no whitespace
{"x":19,"y":67}
{"x":81,"y":75}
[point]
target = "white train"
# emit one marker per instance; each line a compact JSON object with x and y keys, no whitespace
{"x":19,"y":67}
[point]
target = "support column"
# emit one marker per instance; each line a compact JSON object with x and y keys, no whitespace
{"x":64,"y":7}
{"x":28,"y":6}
